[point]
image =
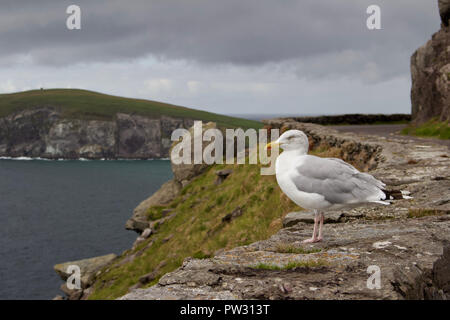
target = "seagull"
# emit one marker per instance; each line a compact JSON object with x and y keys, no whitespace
{"x":321,"y":184}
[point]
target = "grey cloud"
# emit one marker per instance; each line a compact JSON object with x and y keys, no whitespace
{"x":314,"y":36}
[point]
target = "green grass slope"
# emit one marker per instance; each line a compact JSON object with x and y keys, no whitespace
{"x":432,"y":128}
{"x":198,"y":229}
{"x":83,"y":104}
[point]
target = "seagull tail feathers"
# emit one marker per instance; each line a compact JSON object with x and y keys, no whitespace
{"x":386,"y":203}
{"x":397,"y":194}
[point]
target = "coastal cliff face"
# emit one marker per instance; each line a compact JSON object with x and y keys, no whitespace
{"x":430,"y":73}
{"x":43,"y":132}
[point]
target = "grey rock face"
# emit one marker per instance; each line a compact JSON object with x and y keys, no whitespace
{"x":167,"y":192}
{"x":88,"y":269}
{"x":293,"y":218}
{"x":77,"y":138}
{"x":183,"y":172}
{"x":406,"y":260}
{"x":430,"y":73}
{"x":42,"y":132}
{"x":138,"y":136}
{"x":444,"y":11}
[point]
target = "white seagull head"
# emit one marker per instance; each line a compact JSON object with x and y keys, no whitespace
{"x":292,"y":140}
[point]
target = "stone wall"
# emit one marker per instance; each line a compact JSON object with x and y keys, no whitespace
{"x":364,"y":156}
{"x":356,"y":118}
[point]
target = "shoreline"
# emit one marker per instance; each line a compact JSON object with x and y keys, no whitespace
{"x":78,"y":159}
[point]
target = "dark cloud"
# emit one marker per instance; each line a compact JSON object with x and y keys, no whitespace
{"x":317,"y":38}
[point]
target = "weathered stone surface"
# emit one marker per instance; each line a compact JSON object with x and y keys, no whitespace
{"x":88,"y":268}
{"x":179,"y":292}
{"x":184,"y":172}
{"x":138,"y":136}
{"x":406,"y":264}
{"x":233,"y":215}
{"x":293,"y":218}
{"x":72,"y":294}
{"x":430,"y":73}
{"x":42,"y":132}
{"x":146,"y":233}
{"x":222,"y":175}
{"x":139,"y":220}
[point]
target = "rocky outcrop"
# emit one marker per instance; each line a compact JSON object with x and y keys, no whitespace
{"x":407,"y":242}
{"x":444,"y":11}
{"x":430,"y":73}
{"x":408,"y":254}
{"x":89,"y":269}
{"x":43,"y":132}
{"x":139,"y":220}
{"x":183,"y":174}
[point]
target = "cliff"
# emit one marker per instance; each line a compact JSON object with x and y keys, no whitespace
{"x":407,"y":241}
{"x":430,"y":74}
{"x":43,"y":132}
{"x":82,"y":124}
{"x":230,"y":233}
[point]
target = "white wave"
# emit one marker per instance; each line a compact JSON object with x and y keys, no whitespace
{"x":23,"y":158}
{"x":79,"y":159}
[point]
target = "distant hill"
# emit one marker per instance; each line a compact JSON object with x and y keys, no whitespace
{"x":90,"y":105}
{"x":72,"y":124}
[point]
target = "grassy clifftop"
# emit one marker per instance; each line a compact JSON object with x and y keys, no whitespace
{"x":83,"y":104}
{"x":245,"y":208}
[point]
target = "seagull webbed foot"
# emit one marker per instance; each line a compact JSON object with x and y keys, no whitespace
{"x":312,"y":240}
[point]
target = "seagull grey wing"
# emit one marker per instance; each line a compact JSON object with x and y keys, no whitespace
{"x":364,"y":176}
{"x":338,"y":182}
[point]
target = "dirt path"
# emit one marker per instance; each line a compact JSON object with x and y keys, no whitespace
{"x":388,"y":130}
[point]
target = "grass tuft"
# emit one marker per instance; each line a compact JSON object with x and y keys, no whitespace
{"x":432,"y":128}
{"x":418,"y":213}
{"x":288,"y":248}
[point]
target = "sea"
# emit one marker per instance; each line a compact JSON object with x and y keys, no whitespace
{"x":58,"y":211}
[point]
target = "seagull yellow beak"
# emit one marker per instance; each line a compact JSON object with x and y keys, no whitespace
{"x":272,"y":144}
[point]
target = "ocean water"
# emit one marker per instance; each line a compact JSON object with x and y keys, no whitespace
{"x":58,"y":211}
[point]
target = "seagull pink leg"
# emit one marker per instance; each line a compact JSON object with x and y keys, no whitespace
{"x":314,"y":237}
{"x":322,"y":218}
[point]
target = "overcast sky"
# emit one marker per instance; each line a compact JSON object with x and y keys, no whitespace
{"x":232,"y":57}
